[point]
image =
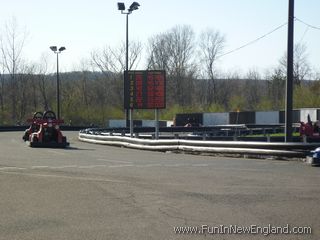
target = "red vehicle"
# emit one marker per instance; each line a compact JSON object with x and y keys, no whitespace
{"x":44,"y":131}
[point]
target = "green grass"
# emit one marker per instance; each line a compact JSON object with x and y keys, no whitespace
{"x":295,"y":134}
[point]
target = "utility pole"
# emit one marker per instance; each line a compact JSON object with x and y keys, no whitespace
{"x":289,"y":85}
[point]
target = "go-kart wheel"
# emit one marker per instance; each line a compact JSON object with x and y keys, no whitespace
{"x":33,"y":141}
{"x":25,"y":137}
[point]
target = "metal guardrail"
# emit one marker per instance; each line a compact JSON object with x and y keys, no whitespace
{"x":290,"y":150}
{"x":238,"y":132}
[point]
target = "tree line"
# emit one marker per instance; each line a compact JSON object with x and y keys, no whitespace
{"x":94,"y":93}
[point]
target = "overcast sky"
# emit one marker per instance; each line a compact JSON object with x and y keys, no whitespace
{"x":82,"y":26}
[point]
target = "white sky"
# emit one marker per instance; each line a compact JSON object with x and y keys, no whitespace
{"x":82,"y":26}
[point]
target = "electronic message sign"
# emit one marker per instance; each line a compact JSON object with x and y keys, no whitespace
{"x":145,"y":90}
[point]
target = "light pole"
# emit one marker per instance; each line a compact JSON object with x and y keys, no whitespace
{"x":57,"y":51}
{"x":122,"y":8}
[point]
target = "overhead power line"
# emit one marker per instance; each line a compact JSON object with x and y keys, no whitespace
{"x":307,"y":24}
{"x":304,"y":34}
{"x":253,"y":41}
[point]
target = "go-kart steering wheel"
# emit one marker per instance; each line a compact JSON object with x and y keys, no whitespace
{"x":49,"y":115}
{"x":37,"y":115}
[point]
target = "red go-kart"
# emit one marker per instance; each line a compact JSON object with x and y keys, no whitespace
{"x":44,"y":131}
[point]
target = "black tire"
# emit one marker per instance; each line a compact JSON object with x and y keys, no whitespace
{"x":33,"y":141}
{"x":25,"y":137}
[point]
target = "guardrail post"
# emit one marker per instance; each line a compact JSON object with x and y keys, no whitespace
{"x":305,"y":139}
{"x":268,"y":138}
{"x":157,"y":123}
{"x":136,"y":135}
{"x":123,"y":133}
{"x":176,"y":136}
{"x":204,"y":136}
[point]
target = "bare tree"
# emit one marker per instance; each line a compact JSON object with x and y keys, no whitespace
{"x":211,"y":44}
{"x":83,"y":84}
{"x":228,"y":86}
{"x":113,"y":59}
{"x":173,"y":51}
{"x":301,"y":67}
{"x":276,"y":88}
{"x":253,"y":90}
{"x":41,"y":81}
{"x":111,"y":62}
{"x":158,"y":53}
{"x":12,"y":43}
{"x":22,"y":100}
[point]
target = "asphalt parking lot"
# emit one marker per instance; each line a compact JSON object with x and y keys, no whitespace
{"x":99,"y":192}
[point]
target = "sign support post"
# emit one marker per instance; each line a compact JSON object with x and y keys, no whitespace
{"x":157,"y":123}
{"x":131,"y":122}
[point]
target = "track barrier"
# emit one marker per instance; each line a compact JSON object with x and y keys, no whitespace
{"x":286,"y":150}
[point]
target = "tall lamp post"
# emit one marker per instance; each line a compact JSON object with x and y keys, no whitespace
{"x":57,"y":51}
{"x":122,"y":8}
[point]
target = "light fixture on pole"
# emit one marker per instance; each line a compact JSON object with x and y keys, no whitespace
{"x":121,"y":7}
{"x":57,"y":51}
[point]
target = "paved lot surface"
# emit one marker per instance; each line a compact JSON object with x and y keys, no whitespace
{"x":100,"y":192}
